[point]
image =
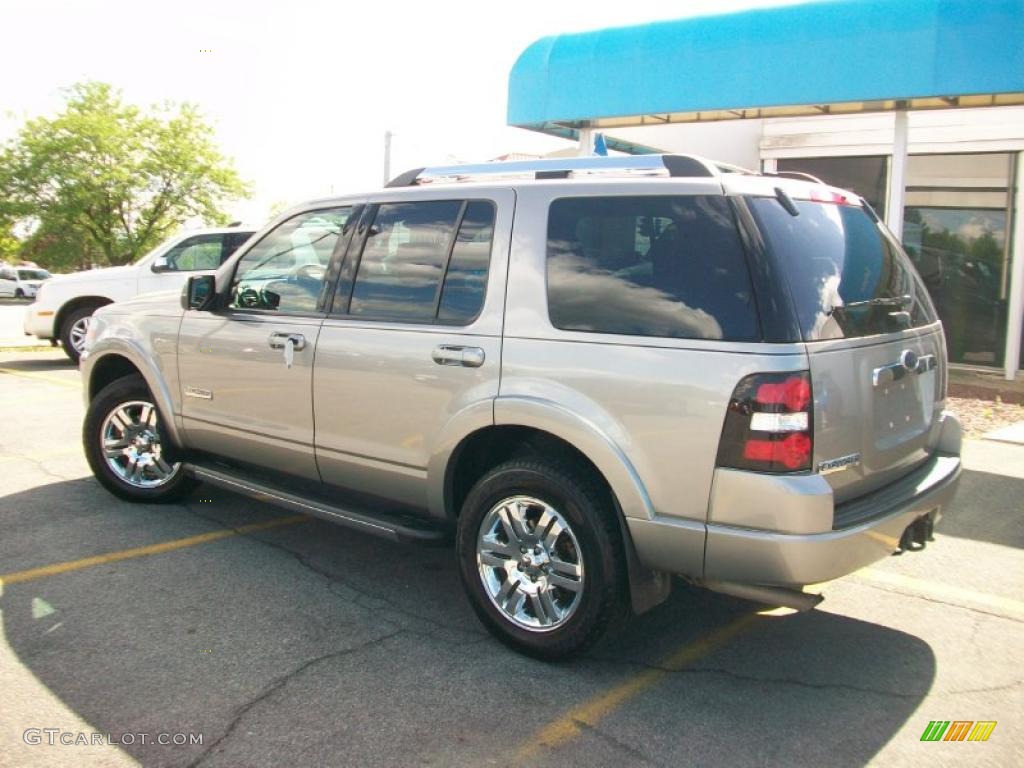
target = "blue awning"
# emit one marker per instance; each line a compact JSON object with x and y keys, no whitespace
{"x":821,"y":57}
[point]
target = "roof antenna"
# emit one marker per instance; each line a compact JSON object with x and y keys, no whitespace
{"x":786,"y":202}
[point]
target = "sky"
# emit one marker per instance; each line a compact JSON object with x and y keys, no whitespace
{"x":301,"y":92}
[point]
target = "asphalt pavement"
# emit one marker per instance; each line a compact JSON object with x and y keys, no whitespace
{"x":281,"y":640}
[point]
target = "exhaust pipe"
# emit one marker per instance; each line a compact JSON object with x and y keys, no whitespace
{"x":788,"y":598}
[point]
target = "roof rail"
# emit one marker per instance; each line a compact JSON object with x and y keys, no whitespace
{"x":799,"y":175}
{"x":560,"y":168}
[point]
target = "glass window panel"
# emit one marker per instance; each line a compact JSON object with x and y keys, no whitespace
{"x":967,"y":170}
{"x":649,"y":266}
{"x":285,"y":270}
{"x":846,"y":275}
{"x":960,"y":254}
{"x":466,"y":280}
{"x":403,"y":260}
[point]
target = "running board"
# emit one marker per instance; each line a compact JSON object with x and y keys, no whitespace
{"x":386,"y":526}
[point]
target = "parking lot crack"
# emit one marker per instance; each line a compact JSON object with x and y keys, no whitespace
{"x":277,"y":684}
{"x":949,"y":603}
{"x":373,"y":602}
{"x":636,"y":756}
{"x":987,"y":689}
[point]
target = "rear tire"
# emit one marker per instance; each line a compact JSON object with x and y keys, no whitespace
{"x":122,"y":441}
{"x":72,"y":331}
{"x":541,"y":558}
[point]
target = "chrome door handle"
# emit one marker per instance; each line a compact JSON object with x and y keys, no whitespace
{"x":278,"y":340}
{"x":468,"y":357}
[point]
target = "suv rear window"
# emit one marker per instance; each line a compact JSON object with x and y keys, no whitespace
{"x":649,"y":266}
{"x":847,"y":277}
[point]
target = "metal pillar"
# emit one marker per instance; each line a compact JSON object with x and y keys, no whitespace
{"x":897,"y":175}
{"x":1015,"y":306}
{"x":387,"y":157}
{"x":586,"y":147}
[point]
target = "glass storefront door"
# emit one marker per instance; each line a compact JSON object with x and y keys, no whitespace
{"x":956,"y":229}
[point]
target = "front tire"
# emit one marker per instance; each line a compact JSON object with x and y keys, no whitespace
{"x":73,"y":329}
{"x":540,"y":556}
{"x":19,"y":294}
{"x":122,"y":441}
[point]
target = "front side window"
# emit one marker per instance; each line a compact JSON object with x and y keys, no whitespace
{"x":285,"y":270}
{"x":649,"y":266}
{"x":200,"y":252}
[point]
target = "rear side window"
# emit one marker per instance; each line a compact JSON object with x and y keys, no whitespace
{"x":425,"y":260}
{"x":465,"y":282}
{"x":649,"y":266}
{"x":848,"y":278}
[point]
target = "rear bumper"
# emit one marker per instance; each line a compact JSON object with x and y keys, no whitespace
{"x":785,"y":559}
{"x":733,"y":553}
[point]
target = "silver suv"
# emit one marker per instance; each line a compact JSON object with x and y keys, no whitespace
{"x":594,"y":373}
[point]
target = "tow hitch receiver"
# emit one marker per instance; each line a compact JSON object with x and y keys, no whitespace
{"x":917,"y":535}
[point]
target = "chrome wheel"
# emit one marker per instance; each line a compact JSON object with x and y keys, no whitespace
{"x":78,"y":331}
{"x":530,"y":563}
{"x":131,"y":446}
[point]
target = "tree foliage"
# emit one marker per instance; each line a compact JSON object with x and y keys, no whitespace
{"x":105,"y":181}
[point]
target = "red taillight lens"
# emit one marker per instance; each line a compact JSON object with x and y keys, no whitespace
{"x":768,"y":424}
{"x":794,"y":393}
{"x":793,"y":451}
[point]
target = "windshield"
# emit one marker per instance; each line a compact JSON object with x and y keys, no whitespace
{"x":33,"y":274}
{"x":847,"y":276}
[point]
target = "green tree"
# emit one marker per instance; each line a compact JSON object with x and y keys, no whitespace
{"x":9,"y":244}
{"x":105,"y":181}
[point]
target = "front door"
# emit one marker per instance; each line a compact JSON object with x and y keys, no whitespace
{"x":246,"y":371}
{"x":413,"y":342}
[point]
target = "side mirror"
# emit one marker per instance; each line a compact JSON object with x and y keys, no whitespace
{"x":161,"y":265}
{"x":200,"y":293}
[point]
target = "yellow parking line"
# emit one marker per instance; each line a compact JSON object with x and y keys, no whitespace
{"x":591,"y":712}
{"x":939,"y":591}
{"x":18,"y":577}
{"x":42,"y":377}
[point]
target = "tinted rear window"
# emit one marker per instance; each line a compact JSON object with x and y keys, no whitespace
{"x":846,"y":276}
{"x":649,"y":266}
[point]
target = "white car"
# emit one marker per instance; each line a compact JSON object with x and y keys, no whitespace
{"x":21,"y":282}
{"x":64,"y":305}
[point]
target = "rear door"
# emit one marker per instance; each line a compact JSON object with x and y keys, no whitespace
{"x":413,"y":344}
{"x":876,"y":351}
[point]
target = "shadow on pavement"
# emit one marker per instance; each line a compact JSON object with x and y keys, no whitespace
{"x":39,"y":362}
{"x":983,"y":509}
{"x":311,"y":644}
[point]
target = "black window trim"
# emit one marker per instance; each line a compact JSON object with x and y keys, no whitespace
{"x":240,"y":312}
{"x":350,"y":269}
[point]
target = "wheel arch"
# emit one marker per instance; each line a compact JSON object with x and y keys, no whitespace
{"x":123,"y":358}
{"x":529,"y":427}
{"x":93,"y":300}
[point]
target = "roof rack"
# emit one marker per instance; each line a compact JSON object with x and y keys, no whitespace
{"x":560,"y":168}
{"x":799,"y":175}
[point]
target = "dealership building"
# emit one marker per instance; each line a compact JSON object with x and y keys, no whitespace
{"x":916,"y":105}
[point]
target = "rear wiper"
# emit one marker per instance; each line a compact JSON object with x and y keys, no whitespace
{"x":881,"y":301}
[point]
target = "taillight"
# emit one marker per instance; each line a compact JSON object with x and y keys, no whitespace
{"x":768,"y":424}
